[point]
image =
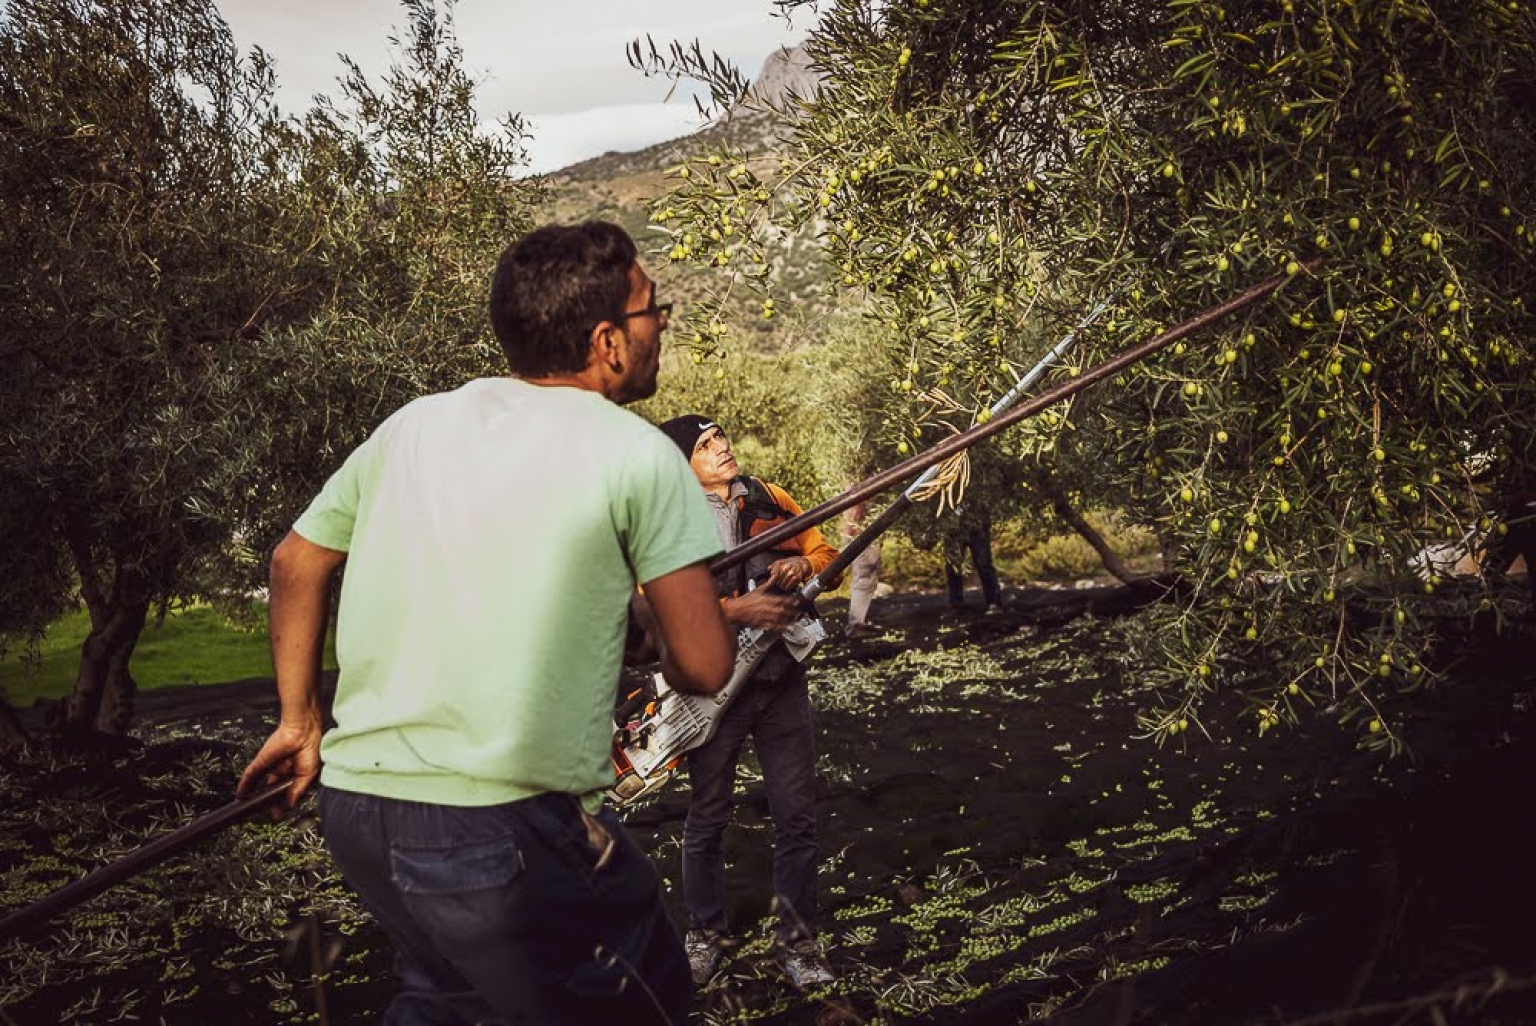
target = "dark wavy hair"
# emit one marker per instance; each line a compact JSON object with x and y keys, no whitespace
{"x":552,"y":287}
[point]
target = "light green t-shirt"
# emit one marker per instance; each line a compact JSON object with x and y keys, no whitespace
{"x":494,"y":536}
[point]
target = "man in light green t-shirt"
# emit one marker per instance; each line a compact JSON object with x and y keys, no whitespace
{"x":493,"y":537}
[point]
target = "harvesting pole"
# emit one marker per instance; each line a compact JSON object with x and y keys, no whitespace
{"x":138,"y":860}
{"x":892,"y":513}
{"x":909,"y":468}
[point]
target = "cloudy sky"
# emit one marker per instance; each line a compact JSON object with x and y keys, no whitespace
{"x":560,"y":63}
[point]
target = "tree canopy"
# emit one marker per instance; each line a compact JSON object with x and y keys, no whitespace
{"x":207,"y":302}
{"x":981,"y":173}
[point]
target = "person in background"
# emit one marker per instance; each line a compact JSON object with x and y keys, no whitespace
{"x":971,"y":532}
{"x":492,"y":538}
{"x":864,"y":575}
{"x":774,"y":710}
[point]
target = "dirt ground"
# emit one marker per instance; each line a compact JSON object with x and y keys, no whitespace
{"x":997,"y":847}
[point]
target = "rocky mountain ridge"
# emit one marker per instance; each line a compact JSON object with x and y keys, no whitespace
{"x":786,"y":73}
{"x":621,"y":187}
{"x":753,"y":127}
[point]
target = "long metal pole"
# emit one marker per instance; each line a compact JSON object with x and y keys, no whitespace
{"x":947,"y":448}
{"x":867,"y":537}
{"x":138,"y":860}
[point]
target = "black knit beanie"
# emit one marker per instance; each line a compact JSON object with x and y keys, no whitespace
{"x":685,"y":431}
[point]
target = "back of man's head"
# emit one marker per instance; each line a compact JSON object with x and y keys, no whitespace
{"x":552,"y":287}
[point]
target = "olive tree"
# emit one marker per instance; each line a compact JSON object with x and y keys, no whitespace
{"x":135,"y":250}
{"x":410,"y":202}
{"x":205,"y":301}
{"x":976,"y":167}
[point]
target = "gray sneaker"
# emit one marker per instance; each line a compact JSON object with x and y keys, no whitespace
{"x":805,"y":967}
{"x":705,"y":949}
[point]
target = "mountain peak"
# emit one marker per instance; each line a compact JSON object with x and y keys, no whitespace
{"x":786,"y":71}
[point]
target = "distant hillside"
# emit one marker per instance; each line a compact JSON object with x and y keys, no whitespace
{"x":620,"y":186}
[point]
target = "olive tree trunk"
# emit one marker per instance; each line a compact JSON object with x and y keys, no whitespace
{"x":104,"y":689}
{"x":13,"y":736}
{"x":1075,"y":520}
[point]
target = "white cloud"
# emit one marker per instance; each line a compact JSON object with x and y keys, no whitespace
{"x":560,"y":64}
{"x":559,"y":140}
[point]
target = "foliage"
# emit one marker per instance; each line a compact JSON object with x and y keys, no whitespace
{"x":410,"y":203}
{"x":1065,"y":556}
{"x":206,"y":303}
{"x":140,"y":182}
{"x":1022,"y":549}
{"x":981,"y":171}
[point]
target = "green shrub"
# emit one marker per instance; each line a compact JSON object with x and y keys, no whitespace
{"x":904,"y":566}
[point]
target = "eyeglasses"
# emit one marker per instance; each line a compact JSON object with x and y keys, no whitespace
{"x":661,"y":311}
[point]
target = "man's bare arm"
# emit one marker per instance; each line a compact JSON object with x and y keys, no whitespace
{"x":764,"y":607}
{"x":298,"y":604}
{"x":698,"y":646}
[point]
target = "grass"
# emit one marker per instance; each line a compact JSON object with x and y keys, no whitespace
{"x":195,"y":644}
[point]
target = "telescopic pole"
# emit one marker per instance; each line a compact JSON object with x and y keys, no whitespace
{"x":944,"y":450}
{"x":138,"y":860}
{"x":892,"y":513}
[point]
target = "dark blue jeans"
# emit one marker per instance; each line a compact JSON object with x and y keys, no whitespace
{"x":499,"y":915}
{"x":776,"y":714}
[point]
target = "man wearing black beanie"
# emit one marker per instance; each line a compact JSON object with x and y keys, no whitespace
{"x":774,"y":710}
